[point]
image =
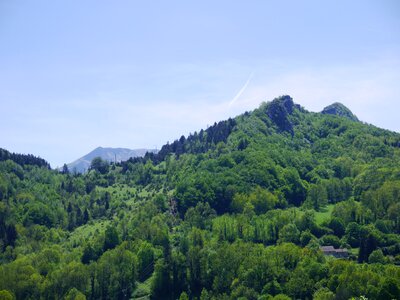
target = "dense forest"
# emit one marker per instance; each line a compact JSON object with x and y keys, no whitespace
{"x":239,"y":210}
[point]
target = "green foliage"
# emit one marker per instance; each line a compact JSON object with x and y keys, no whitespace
{"x":324,"y":294}
{"x":184,"y":296}
{"x":377,"y":257}
{"x":111,"y":239}
{"x":236,"y":211}
{"x":74,"y":294}
{"x":116,"y":271}
{"x":6,"y":295}
{"x":145,"y":260}
{"x":289,"y":233}
{"x":99,"y":165}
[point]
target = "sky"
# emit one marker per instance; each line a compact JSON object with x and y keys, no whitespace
{"x":75,"y":75}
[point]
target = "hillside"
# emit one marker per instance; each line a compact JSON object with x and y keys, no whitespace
{"x":82,"y":164}
{"x":239,"y":210}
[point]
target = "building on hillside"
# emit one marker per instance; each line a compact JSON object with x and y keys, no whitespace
{"x":338,"y":253}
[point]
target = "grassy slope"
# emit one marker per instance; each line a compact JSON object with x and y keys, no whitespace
{"x":324,"y":214}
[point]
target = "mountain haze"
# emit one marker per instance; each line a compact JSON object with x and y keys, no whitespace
{"x":82,"y":164}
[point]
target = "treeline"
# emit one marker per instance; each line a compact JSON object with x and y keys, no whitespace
{"x":23,"y":159}
{"x":195,"y":143}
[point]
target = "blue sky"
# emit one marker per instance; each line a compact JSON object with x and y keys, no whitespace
{"x":75,"y":75}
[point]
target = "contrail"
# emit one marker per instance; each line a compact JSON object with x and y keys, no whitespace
{"x":241,"y":90}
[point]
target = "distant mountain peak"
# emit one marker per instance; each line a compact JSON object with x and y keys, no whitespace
{"x":338,"y":109}
{"x":82,"y":164}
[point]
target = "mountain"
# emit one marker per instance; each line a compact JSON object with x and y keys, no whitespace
{"x":276,"y":203}
{"x":339,"y":109}
{"x":82,"y":164}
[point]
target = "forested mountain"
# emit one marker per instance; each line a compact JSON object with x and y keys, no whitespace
{"x":23,"y":159}
{"x":235,"y":211}
{"x":82,"y":164}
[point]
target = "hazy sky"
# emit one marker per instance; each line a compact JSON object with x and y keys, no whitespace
{"x":75,"y":75}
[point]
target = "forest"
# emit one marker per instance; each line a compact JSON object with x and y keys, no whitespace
{"x":239,"y":210}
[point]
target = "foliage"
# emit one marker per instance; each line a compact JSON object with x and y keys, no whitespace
{"x":235,"y":211}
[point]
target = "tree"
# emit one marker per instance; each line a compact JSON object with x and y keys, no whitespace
{"x":65,"y":169}
{"x":317,"y":196}
{"x":368,"y":243}
{"x":145,"y":260}
{"x":200,"y":216}
{"x":178,"y":273}
{"x":6,"y":295}
{"x":184,"y":296}
{"x":324,"y":294}
{"x":161,"y":281}
{"x":111,"y":238}
{"x":289,"y":233}
{"x":99,"y":165}
{"x":89,"y":254}
{"x":75,"y":294}
{"x":353,"y":234}
{"x":377,"y":257}
{"x":337,"y":226}
{"x":330,"y":240}
{"x":262,"y":200}
{"x":389,"y":289}
{"x":272,"y":288}
{"x":306,"y":237}
{"x":72,"y":275}
{"x":205,"y":295}
{"x":116,"y":273}
{"x":295,"y":189}
{"x":86,"y":216}
{"x":281,"y":297}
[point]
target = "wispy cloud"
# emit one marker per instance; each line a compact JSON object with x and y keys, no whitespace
{"x":241,"y":91}
{"x":369,"y":89}
{"x":160,"y":109}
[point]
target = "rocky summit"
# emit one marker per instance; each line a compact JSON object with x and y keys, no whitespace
{"x":339,"y":109}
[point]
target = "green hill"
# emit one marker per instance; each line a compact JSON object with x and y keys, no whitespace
{"x":238,"y":210}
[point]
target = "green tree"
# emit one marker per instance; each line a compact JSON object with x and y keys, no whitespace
{"x":145,"y":260}
{"x":65,"y":169}
{"x":289,"y":233}
{"x":111,"y":238}
{"x":184,"y":296}
{"x":262,"y":200}
{"x":160,"y":286}
{"x":368,"y":243}
{"x":89,"y":254}
{"x":116,"y":273}
{"x":317,"y":196}
{"x":74,"y":294}
{"x":99,"y":165}
{"x":377,"y":257}
{"x":6,"y":295}
{"x":205,"y":295}
{"x":272,"y":288}
{"x":337,"y":226}
{"x":390,"y":289}
{"x":324,"y":294}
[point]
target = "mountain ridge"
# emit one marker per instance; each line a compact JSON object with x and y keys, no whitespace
{"x":109,"y":154}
